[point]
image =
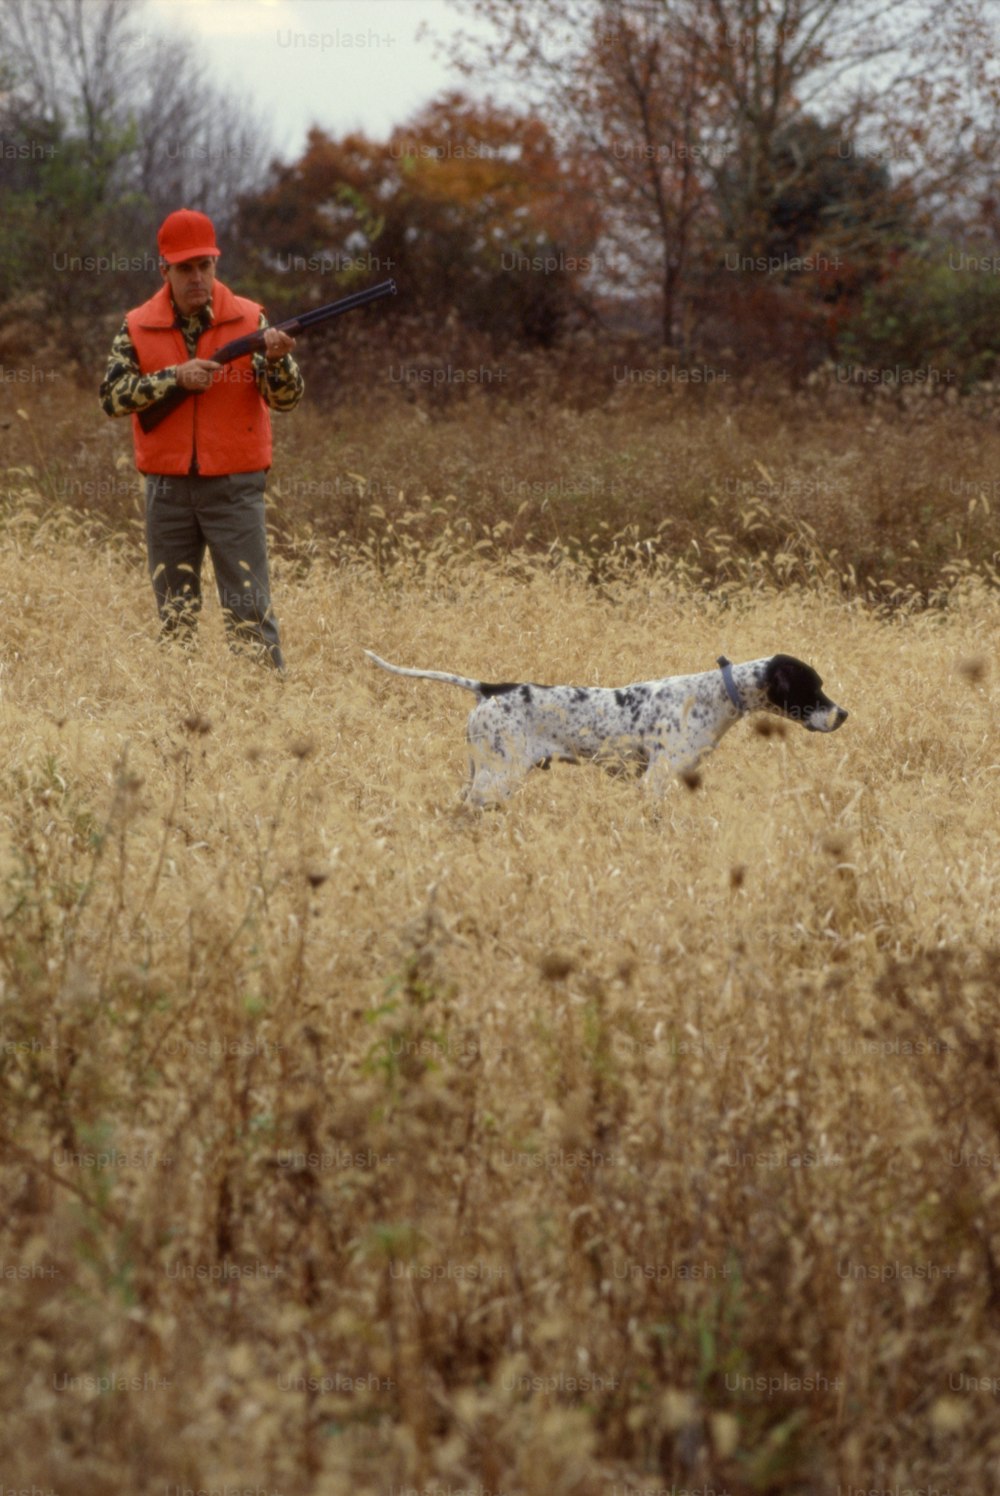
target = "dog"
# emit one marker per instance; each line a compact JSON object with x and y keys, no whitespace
{"x":663,"y":725}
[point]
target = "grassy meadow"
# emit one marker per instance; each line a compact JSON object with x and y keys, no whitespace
{"x":356,"y":1142}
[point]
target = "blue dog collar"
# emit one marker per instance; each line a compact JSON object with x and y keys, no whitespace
{"x":727,"y":680}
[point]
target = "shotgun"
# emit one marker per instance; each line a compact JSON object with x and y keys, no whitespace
{"x":152,"y":415}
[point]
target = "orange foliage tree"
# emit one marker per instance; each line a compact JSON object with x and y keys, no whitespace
{"x":474,"y":208}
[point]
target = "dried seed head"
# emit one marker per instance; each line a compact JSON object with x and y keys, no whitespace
{"x":555,"y":966}
{"x":769,"y":727}
{"x":974,"y":669}
{"x":196,"y":724}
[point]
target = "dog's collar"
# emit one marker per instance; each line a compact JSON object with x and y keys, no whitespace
{"x":727,"y":680}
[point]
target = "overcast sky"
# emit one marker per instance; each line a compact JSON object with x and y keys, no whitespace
{"x":341,"y":64}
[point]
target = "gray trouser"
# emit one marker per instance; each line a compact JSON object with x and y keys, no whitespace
{"x":184,"y":516}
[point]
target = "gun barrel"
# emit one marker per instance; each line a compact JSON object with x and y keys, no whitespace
{"x":336,"y":308}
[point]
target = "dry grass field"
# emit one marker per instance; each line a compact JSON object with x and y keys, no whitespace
{"x":354,"y":1142}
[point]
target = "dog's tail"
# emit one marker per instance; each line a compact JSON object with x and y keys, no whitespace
{"x":475,"y":686}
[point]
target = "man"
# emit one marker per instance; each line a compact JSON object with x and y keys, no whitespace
{"x":206,"y":463}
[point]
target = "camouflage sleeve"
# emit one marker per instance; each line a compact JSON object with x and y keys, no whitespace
{"x":124,"y":388}
{"x":280,"y":383}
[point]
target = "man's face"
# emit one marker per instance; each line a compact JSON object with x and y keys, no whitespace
{"x":190,"y":283}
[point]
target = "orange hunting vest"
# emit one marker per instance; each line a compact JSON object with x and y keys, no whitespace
{"x":227,"y":427}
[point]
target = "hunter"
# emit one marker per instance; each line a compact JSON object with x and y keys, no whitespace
{"x":206,"y":463}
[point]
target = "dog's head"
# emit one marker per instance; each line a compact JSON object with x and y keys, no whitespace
{"x":793,"y":689}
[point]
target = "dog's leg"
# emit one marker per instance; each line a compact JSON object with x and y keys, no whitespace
{"x":499,"y":757}
{"x":670,"y":759}
{"x":494,"y":774}
{"x":487,"y":787}
{"x":659,"y":775}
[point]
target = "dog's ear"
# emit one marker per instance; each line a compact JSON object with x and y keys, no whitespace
{"x":781,"y":677}
{"x":779,"y":681}
{"x":792,"y":685}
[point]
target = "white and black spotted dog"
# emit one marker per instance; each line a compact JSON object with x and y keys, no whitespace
{"x":666,"y":726}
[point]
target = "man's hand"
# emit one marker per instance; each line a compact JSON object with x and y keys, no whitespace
{"x":277,"y":344}
{"x":197,"y":373}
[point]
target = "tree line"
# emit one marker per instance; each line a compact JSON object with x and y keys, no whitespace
{"x":766,"y":180}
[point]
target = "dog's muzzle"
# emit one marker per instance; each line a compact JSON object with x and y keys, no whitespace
{"x":826,"y":720}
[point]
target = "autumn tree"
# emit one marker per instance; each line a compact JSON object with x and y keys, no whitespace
{"x":688,"y":108}
{"x":472,"y":205}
